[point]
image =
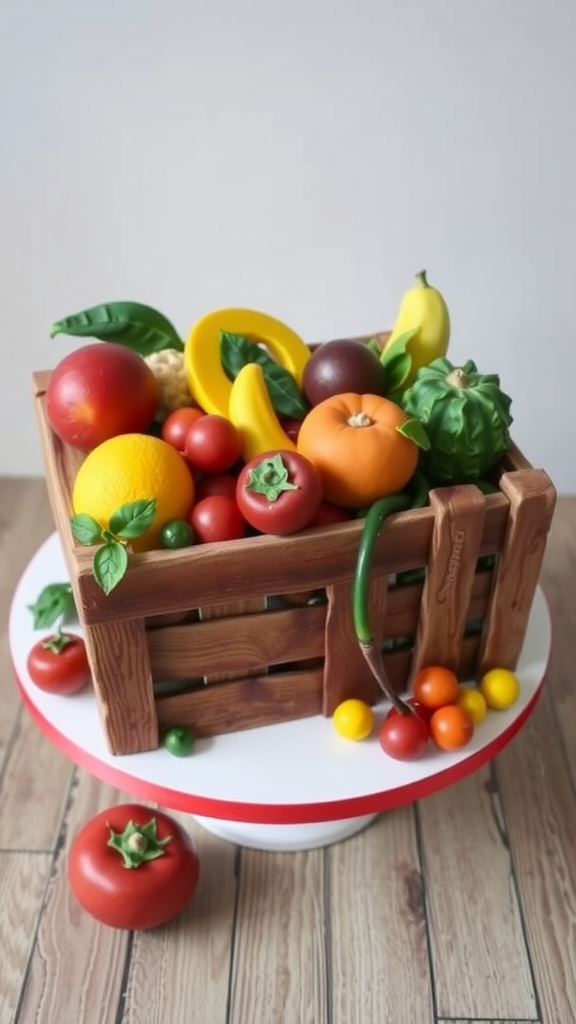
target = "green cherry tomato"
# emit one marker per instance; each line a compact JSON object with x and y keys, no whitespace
{"x":179,"y":740}
{"x":177,"y":534}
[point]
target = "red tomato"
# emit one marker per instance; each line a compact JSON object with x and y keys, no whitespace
{"x":404,"y":737}
{"x":212,"y":444}
{"x":291,"y":427}
{"x":435,"y":686}
{"x":328,"y":513}
{"x":218,"y":483}
{"x":451,"y":727}
{"x":59,"y":664}
{"x":144,"y":894}
{"x":279,"y":492}
{"x":98,"y":391}
{"x":217,"y":518}
{"x":176,"y":425}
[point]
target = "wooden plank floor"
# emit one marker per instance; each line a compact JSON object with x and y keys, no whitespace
{"x":460,"y":908}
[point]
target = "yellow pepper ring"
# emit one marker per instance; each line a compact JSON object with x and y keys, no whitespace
{"x":202,"y":364}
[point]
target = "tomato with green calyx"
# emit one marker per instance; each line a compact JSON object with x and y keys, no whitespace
{"x":132,"y":867}
{"x":179,"y":740}
{"x":177,"y":534}
{"x":279,"y":492}
{"x":404,"y":736}
{"x":59,"y":664}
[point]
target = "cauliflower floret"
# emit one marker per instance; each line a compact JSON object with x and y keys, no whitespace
{"x":168,"y":368}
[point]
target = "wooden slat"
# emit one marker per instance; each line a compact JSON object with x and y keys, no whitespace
{"x":377,"y":928}
{"x":458,"y":527}
{"x":182,"y":970}
{"x":540,"y":805}
{"x":76,"y":970}
{"x":279,"y":971}
{"x":479,"y":957}
{"x":347,"y":673}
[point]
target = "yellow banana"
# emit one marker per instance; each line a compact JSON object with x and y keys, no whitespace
{"x":424,"y":311}
{"x":206,"y":378}
{"x":252,"y":413}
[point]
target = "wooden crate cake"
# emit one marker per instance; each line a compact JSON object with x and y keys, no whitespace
{"x":229,"y":636}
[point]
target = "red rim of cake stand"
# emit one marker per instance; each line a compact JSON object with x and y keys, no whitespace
{"x":279,"y":813}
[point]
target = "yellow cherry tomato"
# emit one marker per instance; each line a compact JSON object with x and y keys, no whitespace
{"x":501,"y":688}
{"x":353,"y":719}
{"x":473,"y":701}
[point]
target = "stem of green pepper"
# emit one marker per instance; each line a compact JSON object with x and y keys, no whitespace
{"x":376,"y":515}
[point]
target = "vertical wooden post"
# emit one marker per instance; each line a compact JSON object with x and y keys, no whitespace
{"x":458,"y":526}
{"x":532,"y":498}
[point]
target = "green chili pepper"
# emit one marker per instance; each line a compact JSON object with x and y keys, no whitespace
{"x":416,"y":497}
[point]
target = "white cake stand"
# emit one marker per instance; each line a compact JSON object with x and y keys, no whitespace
{"x":293,"y":786}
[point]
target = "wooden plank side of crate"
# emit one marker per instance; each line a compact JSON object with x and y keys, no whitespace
{"x":459,"y":514}
{"x":118,"y":655}
{"x":531,"y":498}
{"x":237,"y":643}
{"x":346,"y":672}
{"x":243,"y":704}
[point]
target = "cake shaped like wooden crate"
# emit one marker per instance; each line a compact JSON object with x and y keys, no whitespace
{"x":252,"y":632}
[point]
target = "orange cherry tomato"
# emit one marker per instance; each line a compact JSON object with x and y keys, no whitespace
{"x":451,"y":727}
{"x":434,"y":686}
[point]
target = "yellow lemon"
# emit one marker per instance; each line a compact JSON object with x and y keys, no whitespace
{"x":353,"y":719}
{"x":501,"y":688}
{"x":473,"y":702}
{"x":134,"y":467}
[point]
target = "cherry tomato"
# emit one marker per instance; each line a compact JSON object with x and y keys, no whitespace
{"x":217,"y":483}
{"x":177,"y":534}
{"x":353,"y":719}
{"x":404,"y":737}
{"x":451,"y":727}
{"x":278,"y":492}
{"x":435,"y":686}
{"x":212,"y":444}
{"x":176,"y":424}
{"x":59,"y":664}
{"x":132,"y":895}
{"x":217,"y":518}
{"x":291,"y":427}
{"x":500,"y":688}
{"x":179,"y":740}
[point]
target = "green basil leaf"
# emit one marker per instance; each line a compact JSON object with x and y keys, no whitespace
{"x":397,"y":371}
{"x":54,"y":602}
{"x":109,"y":565}
{"x":132,"y":324}
{"x":133,"y":519}
{"x":85,"y":529}
{"x":285,"y":395}
{"x":397,"y":347}
{"x":414,"y":431}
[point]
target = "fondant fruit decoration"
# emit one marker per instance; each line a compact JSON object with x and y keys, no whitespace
{"x":356,"y":444}
{"x":500,"y":688}
{"x":473,"y":701}
{"x":202,"y":359}
{"x":279,"y":492}
{"x":404,"y":736}
{"x":421,"y":332}
{"x":353,"y":719}
{"x":252,"y":413}
{"x":59,"y":663}
{"x":434,"y":686}
{"x":130,"y":468}
{"x":99,"y":391}
{"x":337,"y":367}
{"x":466,"y":416}
{"x":451,"y":727}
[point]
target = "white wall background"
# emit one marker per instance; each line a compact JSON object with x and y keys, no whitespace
{"x":304,"y":158}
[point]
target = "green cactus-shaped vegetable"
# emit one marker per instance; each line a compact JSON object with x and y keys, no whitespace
{"x":466,"y":416}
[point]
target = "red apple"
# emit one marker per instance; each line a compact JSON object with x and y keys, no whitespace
{"x":99,"y":391}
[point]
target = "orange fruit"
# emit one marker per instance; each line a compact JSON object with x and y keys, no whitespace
{"x":134,"y":467}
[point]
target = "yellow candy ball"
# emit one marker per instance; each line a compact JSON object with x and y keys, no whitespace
{"x":353,"y":719}
{"x":500,"y":688}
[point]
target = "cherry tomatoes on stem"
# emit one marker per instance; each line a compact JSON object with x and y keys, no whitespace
{"x":132,"y":867}
{"x":59,"y":663}
{"x":435,"y":686}
{"x":451,"y":727}
{"x":404,"y":736}
{"x":279,"y":492}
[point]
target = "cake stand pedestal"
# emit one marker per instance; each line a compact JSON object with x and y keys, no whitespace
{"x":293,"y":786}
